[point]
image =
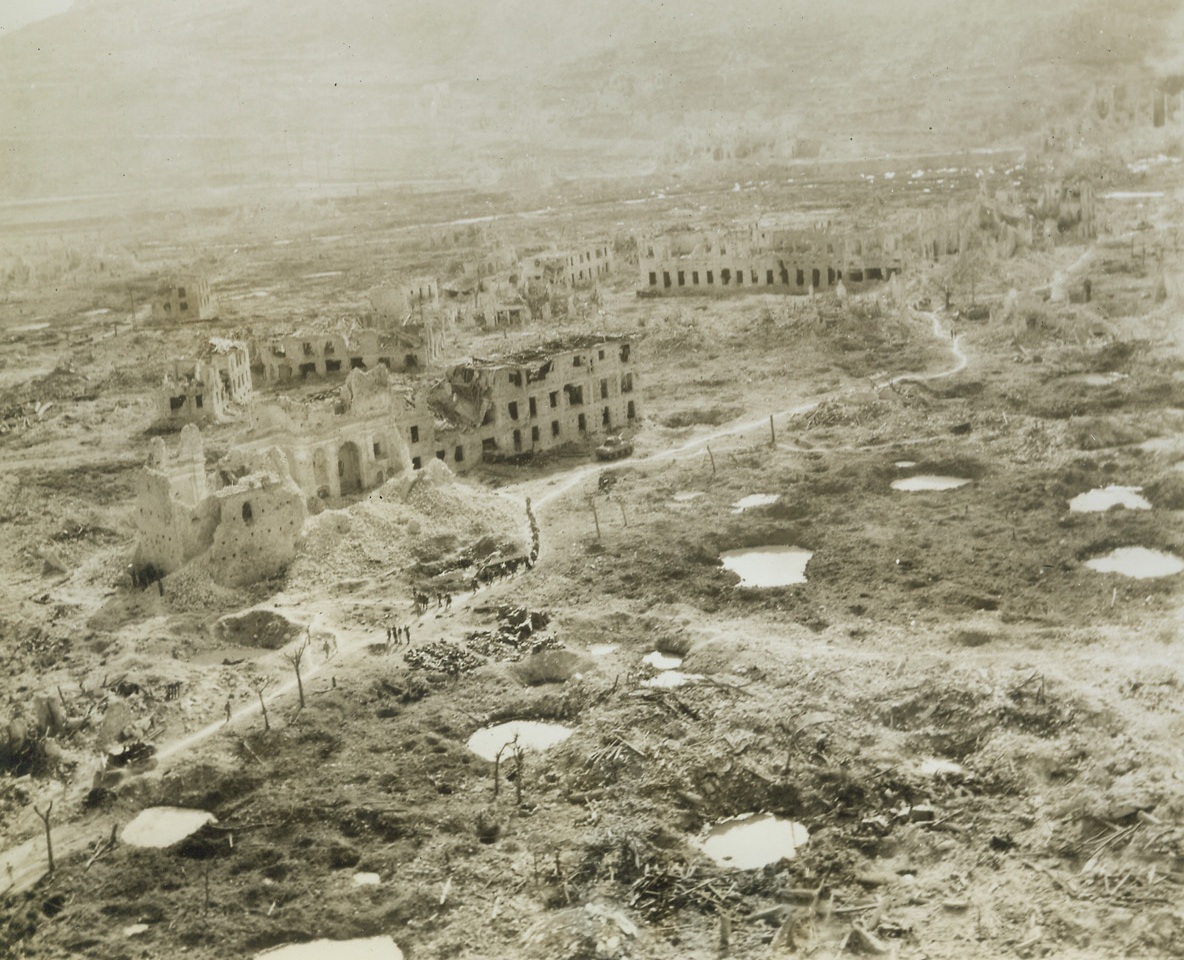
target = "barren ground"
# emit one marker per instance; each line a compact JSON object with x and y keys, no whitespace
{"x":959,"y":626}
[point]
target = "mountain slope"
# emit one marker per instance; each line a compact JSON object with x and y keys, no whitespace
{"x":119,"y":93}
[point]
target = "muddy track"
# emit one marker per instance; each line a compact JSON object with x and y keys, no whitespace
{"x":24,"y":864}
{"x":761,"y":423}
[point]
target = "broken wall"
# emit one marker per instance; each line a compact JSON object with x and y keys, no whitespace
{"x":259,"y":524}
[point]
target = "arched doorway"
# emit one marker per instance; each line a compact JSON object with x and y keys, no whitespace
{"x":349,"y":468}
{"x":320,"y":471}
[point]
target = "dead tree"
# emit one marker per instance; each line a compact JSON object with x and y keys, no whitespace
{"x":497,"y":764}
{"x":296,"y":657}
{"x":259,"y":687}
{"x":519,"y":769}
{"x":48,"y":836}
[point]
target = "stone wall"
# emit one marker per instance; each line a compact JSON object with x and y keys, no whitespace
{"x":248,"y":528}
{"x":526,"y":404}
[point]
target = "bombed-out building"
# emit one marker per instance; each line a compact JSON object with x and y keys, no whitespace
{"x":394,"y":301}
{"x":769,"y":260}
{"x":408,"y":345}
{"x":185,"y":300}
{"x":1067,"y":208}
{"x":201,"y":389}
{"x":573,"y":268}
{"x":340,"y":445}
{"x":245,"y":523}
{"x":513,"y":406}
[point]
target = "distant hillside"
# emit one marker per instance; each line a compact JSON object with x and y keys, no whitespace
{"x":123,"y":94}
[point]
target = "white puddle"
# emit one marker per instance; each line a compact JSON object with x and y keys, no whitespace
{"x":369,"y":948}
{"x":164,"y":826}
{"x":531,"y":735}
{"x":755,"y":500}
{"x":905,"y":464}
{"x":669,"y":679}
{"x":135,"y":929}
{"x":367,"y":879}
{"x":1132,"y":195}
{"x":323,"y":273}
{"x":687,"y":495}
{"x":927,"y":481}
{"x":96,"y":313}
{"x":751,"y":841}
{"x":1099,"y":379}
{"x":28,"y":327}
{"x":1137,"y":562}
{"x":661,"y":661}
{"x":1103,"y":498}
{"x":602,"y":649}
{"x":768,"y":566}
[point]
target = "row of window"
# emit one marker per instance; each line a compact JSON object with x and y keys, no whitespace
{"x":411,"y":361}
{"x":726,"y":276}
{"x":575,"y":398}
{"x":489,"y":445}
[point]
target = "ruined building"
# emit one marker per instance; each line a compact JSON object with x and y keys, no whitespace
{"x":507,"y":408}
{"x":336,"y":446}
{"x":406,"y":345}
{"x":394,"y":302}
{"x":1067,"y":209}
{"x":186,"y":300}
{"x":769,"y":260}
{"x":245,"y":523}
{"x":1155,"y":103}
{"x":201,"y":389}
{"x":375,"y":429}
{"x":568,"y":268}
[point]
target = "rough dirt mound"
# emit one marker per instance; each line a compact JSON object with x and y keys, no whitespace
{"x":387,"y":531}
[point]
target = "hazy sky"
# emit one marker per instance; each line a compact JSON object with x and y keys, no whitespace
{"x":16,"y":13}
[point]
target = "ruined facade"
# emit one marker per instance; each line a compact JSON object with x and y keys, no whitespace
{"x":407,"y":345}
{"x":1139,"y":104}
{"x":568,"y":268}
{"x":395,"y":301}
{"x":375,"y":429}
{"x":202,"y":388}
{"x":504,"y":408}
{"x":769,"y":260}
{"x":1067,"y":209}
{"x":340,"y":446}
{"x":246,"y":525}
{"x":186,"y":300}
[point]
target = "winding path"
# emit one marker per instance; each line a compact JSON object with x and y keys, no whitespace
{"x":23,"y":865}
{"x":548,"y":497}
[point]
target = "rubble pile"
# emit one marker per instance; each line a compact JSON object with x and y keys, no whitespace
{"x":517,"y":635}
{"x":385,"y":531}
{"x":442,"y":657}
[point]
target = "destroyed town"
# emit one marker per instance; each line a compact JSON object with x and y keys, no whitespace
{"x":591,"y":480}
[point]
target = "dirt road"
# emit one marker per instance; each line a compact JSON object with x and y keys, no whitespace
{"x":24,"y":864}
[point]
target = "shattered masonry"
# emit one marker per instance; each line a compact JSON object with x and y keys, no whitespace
{"x":771,"y":259}
{"x":506,"y":408}
{"x":779,"y":258}
{"x":247,"y":526}
{"x":336,"y":446}
{"x":247,"y":514}
{"x":408,"y":344}
{"x":188,"y":299}
{"x":201,"y":388}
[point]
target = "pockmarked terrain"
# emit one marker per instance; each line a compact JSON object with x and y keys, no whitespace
{"x":871,"y":644}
